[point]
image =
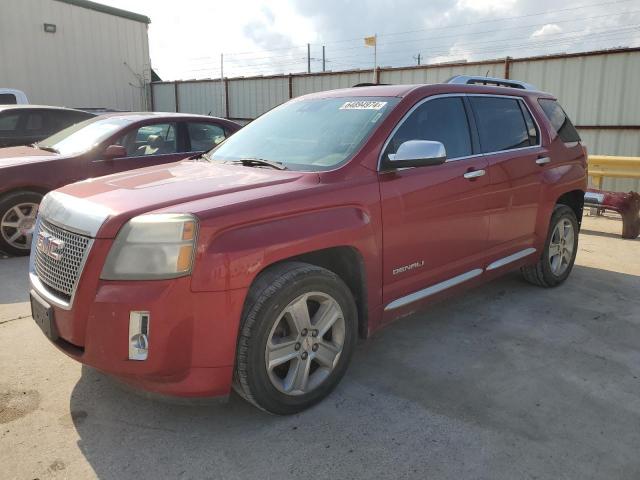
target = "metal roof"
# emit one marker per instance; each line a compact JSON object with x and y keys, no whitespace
{"x":99,"y":7}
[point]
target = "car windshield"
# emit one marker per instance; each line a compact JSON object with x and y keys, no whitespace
{"x":83,"y":136}
{"x":311,"y":135}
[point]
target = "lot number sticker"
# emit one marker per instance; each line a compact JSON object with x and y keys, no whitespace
{"x":363,"y":105}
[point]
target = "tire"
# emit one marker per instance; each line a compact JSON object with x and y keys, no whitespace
{"x":17,"y":217}
{"x":269,"y":330}
{"x":547,"y":272}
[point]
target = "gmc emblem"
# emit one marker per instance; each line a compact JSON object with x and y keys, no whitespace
{"x":49,"y":245}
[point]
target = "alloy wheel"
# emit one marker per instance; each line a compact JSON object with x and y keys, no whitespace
{"x":561,"y":246}
{"x":17,"y":225}
{"x":305,"y":343}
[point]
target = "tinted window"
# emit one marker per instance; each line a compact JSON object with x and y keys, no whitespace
{"x":500,"y":123}
{"x":531,"y":126}
{"x":559,"y":120}
{"x":204,"y":136}
{"x":442,"y":120}
{"x":156,"y":139}
{"x":9,"y":121}
{"x":34,"y":123}
{"x":7,"y":99}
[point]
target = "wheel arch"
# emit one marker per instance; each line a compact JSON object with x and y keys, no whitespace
{"x":346,"y":262}
{"x":573,"y":199}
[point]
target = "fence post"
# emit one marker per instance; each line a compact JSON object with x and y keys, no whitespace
{"x":175,"y":94}
{"x":290,"y":86}
{"x":507,"y":66}
{"x":226,"y":97}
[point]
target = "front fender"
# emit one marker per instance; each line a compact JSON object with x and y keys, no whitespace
{"x":235,"y":256}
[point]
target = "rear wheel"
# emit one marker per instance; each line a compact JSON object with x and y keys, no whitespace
{"x":297,"y":336}
{"x":17,"y":221}
{"x":558,"y":257}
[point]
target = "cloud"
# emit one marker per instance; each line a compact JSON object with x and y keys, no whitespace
{"x":548,"y":29}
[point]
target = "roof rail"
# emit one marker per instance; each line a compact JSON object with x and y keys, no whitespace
{"x":499,"y":82}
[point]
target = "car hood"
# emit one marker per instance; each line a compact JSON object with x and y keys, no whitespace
{"x":12,"y":156}
{"x":123,"y":196}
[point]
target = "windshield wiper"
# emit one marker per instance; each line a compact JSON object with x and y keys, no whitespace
{"x":260,"y":162}
{"x":46,"y":149}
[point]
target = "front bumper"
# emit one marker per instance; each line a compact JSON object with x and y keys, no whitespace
{"x":192,"y":336}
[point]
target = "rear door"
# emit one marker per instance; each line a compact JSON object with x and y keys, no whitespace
{"x":510,"y":141}
{"x":146,"y":145}
{"x":435,"y":221}
{"x":203,"y":136}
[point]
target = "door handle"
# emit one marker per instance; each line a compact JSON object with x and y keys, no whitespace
{"x":474,"y":174}
{"x":543,"y":160}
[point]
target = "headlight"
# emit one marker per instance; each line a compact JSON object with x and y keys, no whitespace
{"x":152,"y":247}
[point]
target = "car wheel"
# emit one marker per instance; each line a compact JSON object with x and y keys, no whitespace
{"x":17,"y":221}
{"x":296,"y":339}
{"x":556,"y":261}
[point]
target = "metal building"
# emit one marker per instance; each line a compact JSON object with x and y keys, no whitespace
{"x":75,"y":53}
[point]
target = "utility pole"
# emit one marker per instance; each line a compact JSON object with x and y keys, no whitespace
{"x":375,"y":57}
{"x":417,"y":58}
{"x":323,"y":59}
{"x":308,"y":58}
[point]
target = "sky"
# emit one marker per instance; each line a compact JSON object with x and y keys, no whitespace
{"x":258,"y":37}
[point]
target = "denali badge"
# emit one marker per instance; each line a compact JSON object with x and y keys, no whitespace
{"x":406,"y":268}
{"x":49,"y":245}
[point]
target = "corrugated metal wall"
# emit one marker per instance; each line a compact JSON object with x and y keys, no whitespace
{"x":599,"y":91}
{"x":251,"y":97}
{"x":94,"y":59}
{"x":441,"y":73}
{"x":206,"y":98}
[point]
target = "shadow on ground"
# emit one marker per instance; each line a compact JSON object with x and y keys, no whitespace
{"x":14,"y":281}
{"x":508,"y":381}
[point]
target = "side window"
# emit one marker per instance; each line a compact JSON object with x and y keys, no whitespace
{"x":531,"y":125}
{"x":559,"y":120}
{"x":8,"y":99}
{"x":35,"y":122}
{"x":442,"y":120}
{"x":156,"y":139}
{"x":204,"y":136}
{"x":9,"y":122}
{"x":501,"y":125}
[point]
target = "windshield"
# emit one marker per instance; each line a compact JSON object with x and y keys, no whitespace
{"x":316,"y":134}
{"x":82,"y":136}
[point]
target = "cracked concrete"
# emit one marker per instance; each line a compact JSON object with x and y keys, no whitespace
{"x":508,"y":381}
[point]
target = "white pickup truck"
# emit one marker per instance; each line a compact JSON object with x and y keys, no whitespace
{"x":11,"y":96}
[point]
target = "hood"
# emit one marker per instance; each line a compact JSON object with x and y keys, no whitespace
{"x":132,"y":193}
{"x":12,"y":156}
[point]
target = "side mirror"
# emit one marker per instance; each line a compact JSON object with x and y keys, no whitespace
{"x":417,"y":153}
{"x":114,"y":151}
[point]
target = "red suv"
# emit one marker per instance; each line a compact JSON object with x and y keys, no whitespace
{"x":259,"y":264}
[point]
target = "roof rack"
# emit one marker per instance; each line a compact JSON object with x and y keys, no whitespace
{"x":499,"y":82}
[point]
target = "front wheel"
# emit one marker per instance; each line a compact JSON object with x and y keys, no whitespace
{"x":18,"y":212}
{"x":297,"y":336}
{"x":559,"y":255}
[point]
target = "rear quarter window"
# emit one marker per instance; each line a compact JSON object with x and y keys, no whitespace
{"x":559,"y":120}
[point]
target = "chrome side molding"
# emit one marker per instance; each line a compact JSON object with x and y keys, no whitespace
{"x":457,"y":280}
{"x":511,"y":258}
{"x":433,"y":289}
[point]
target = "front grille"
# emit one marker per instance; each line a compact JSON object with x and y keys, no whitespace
{"x":61,"y":276}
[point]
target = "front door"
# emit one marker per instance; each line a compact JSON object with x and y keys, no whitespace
{"x":148,"y":145}
{"x":435,"y":220}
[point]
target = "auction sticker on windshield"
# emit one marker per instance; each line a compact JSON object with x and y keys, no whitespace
{"x":363,"y":105}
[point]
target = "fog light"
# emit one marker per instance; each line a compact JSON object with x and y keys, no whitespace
{"x":139,"y":335}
